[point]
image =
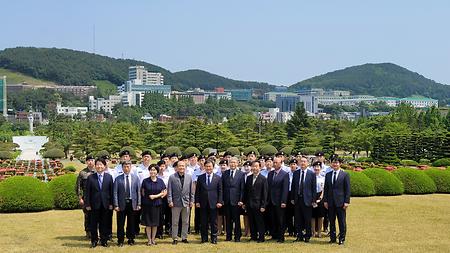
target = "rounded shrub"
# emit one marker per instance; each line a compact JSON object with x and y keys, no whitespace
{"x":249,"y":149}
{"x":234,"y":151}
{"x":206,"y":151}
{"x":129,"y":149}
{"x":408,"y":163}
{"x":309,"y":150}
{"x":54,"y":153}
{"x":172,"y":150}
{"x":192,"y":150}
{"x":441,"y":178}
{"x":70,"y":168}
{"x":102,"y":153}
{"x":25,"y":194}
{"x":6,"y":155}
{"x":287,"y":150}
{"x":424,"y":161}
{"x":385,"y":183}
{"x":364,"y":159}
{"x":64,"y":195}
{"x":415,"y":181}
{"x":268,"y":150}
{"x":361,"y":185}
{"x":443,"y":162}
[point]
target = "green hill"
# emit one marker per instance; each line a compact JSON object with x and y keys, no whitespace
{"x":384,"y":79}
{"x":70,"y":67}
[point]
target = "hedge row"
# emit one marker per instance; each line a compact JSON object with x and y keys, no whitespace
{"x":385,"y":183}
{"x":415,"y":181}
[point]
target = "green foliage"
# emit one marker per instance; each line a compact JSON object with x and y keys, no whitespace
{"x":287,"y":150}
{"x":385,"y":183}
{"x":268,"y":150}
{"x":249,"y":149}
{"x":408,"y":163}
{"x":129,"y":149}
{"x":6,"y":155}
{"x":441,"y":162}
{"x":207,"y":151}
{"x":64,"y":195}
{"x":101,"y":153}
{"x":54,"y":153}
{"x":384,"y":79}
{"x":172,"y":150}
{"x":424,"y":161}
{"x":415,"y":181}
{"x":192,"y":150}
{"x":24,"y":194}
{"x":361,"y":185}
{"x":309,"y":150}
{"x":441,"y":178}
{"x":70,"y":168}
{"x":234,"y":151}
{"x":298,"y":121}
{"x":364,"y":159}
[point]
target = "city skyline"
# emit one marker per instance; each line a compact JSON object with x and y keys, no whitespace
{"x":260,"y":41}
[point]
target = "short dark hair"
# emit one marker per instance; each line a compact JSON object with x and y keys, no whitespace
{"x":161,"y":162}
{"x":100,"y":160}
{"x":153,"y":166}
{"x":256,"y":162}
{"x":209,"y":161}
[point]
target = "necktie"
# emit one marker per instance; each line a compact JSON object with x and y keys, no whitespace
{"x":300,"y":189}
{"x":127,"y":188}
{"x":207,"y":181}
{"x":100,"y":180}
{"x":254,"y":180}
{"x":232,"y":174}
{"x":334,"y":177}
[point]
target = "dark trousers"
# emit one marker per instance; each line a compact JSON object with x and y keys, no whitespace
{"x":99,"y":223}
{"x":256,"y":220}
{"x":340,"y":213}
{"x":208,"y":216}
{"x":197,"y":220}
{"x":303,"y":216}
{"x":277,"y":219}
{"x":137,"y":221}
{"x":110,"y":222}
{"x":289,"y":215}
{"x":130,"y":216}
{"x":233,"y":218}
{"x":268,"y":220}
{"x":162,"y":218}
{"x":86,"y":220}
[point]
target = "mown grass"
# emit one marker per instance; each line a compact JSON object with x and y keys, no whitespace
{"x":407,"y":223}
{"x":16,"y":77}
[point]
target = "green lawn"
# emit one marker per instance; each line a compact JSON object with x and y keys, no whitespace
{"x":378,"y":224}
{"x":16,"y":77}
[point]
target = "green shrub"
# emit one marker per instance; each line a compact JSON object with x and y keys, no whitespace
{"x":268,"y":150}
{"x":102,"y":153}
{"x":129,"y":149}
{"x":206,"y":151}
{"x":63,"y":190}
{"x":385,"y":183}
{"x":234,"y":151}
{"x":424,"y":161}
{"x":24,"y":194}
{"x":249,"y":149}
{"x":287,"y":150}
{"x":364,"y":159}
{"x":443,"y":162}
{"x":173,"y":149}
{"x":408,"y":163}
{"x":54,"y":153}
{"x":6,"y":155}
{"x":192,"y":150}
{"x":415,"y":181}
{"x":361,"y":185}
{"x":441,"y":178}
{"x":70,"y":168}
{"x":309,"y":150}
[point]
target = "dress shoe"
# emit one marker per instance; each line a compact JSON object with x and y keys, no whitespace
{"x":93,"y":244}
{"x":237,"y":240}
{"x":260,"y":241}
{"x":131,"y":242}
{"x":175,"y":242}
{"x":105,"y":244}
{"x":306,"y":240}
{"x":332,"y":241}
{"x":299,"y":239}
{"x":341,"y":241}
{"x":214,"y":241}
{"x":184,"y":241}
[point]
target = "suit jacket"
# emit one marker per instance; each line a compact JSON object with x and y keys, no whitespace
{"x":180,"y":197}
{"x":278,"y":187}
{"x":338,"y":193}
{"x":208,"y":195}
{"x":255,"y":195}
{"x":233,"y":189}
{"x":309,"y":186}
{"x":96,"y":198}
{"x":119,"y":191}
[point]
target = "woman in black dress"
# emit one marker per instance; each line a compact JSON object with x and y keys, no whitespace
{"x":153,"y":190}
{"x":318,"y":208}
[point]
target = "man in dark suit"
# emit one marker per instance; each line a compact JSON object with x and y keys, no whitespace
{"x":233,"y":190}
{"x":303,"y":195}
{"x":336,"y":198}
{"x":255,"y":201}
{"x":127,"y":203}
{"x":99,"y":200}
{"x":278,"y":182}
{"x":208,"y":197}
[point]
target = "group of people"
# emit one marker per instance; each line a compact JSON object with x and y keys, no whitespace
{"x":274,"y":195}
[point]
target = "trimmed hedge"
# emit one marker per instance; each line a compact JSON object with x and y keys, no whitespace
{"x":192,"y":150}
{"x":443,"y":162}
{"x":364,"y":159}
{"x":234,"y":151}
{"x":361,"y":185}
{"x":287,"y":150}
{"x":250,"y":148}
{"x":268,"y":150}
{"x":63,"y":190}
{"x":424,"y":161}
{"x":408,"y":163}
{"x":24,"y":194}
{"x":173,"y":149}
{"x":385,"y":183}
{"x":415,"y":181}
{"x":70,"y":168}
{"x":54,"y":153}
{"x":206,"y":151}
{"x":441,"y":178}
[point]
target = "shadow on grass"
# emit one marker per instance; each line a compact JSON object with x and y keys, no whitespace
{"x":73,"y":238}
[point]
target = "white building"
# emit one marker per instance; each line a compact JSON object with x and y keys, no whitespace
{"x":70,"y":111}
{"x":346,"y":100}
{"x":104,"y":104}
{"x":419,"y":101}
{"x":283,"y":117}
{"x":142,"y":76}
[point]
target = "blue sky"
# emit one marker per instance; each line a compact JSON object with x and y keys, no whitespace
{"x":280,"y":42}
